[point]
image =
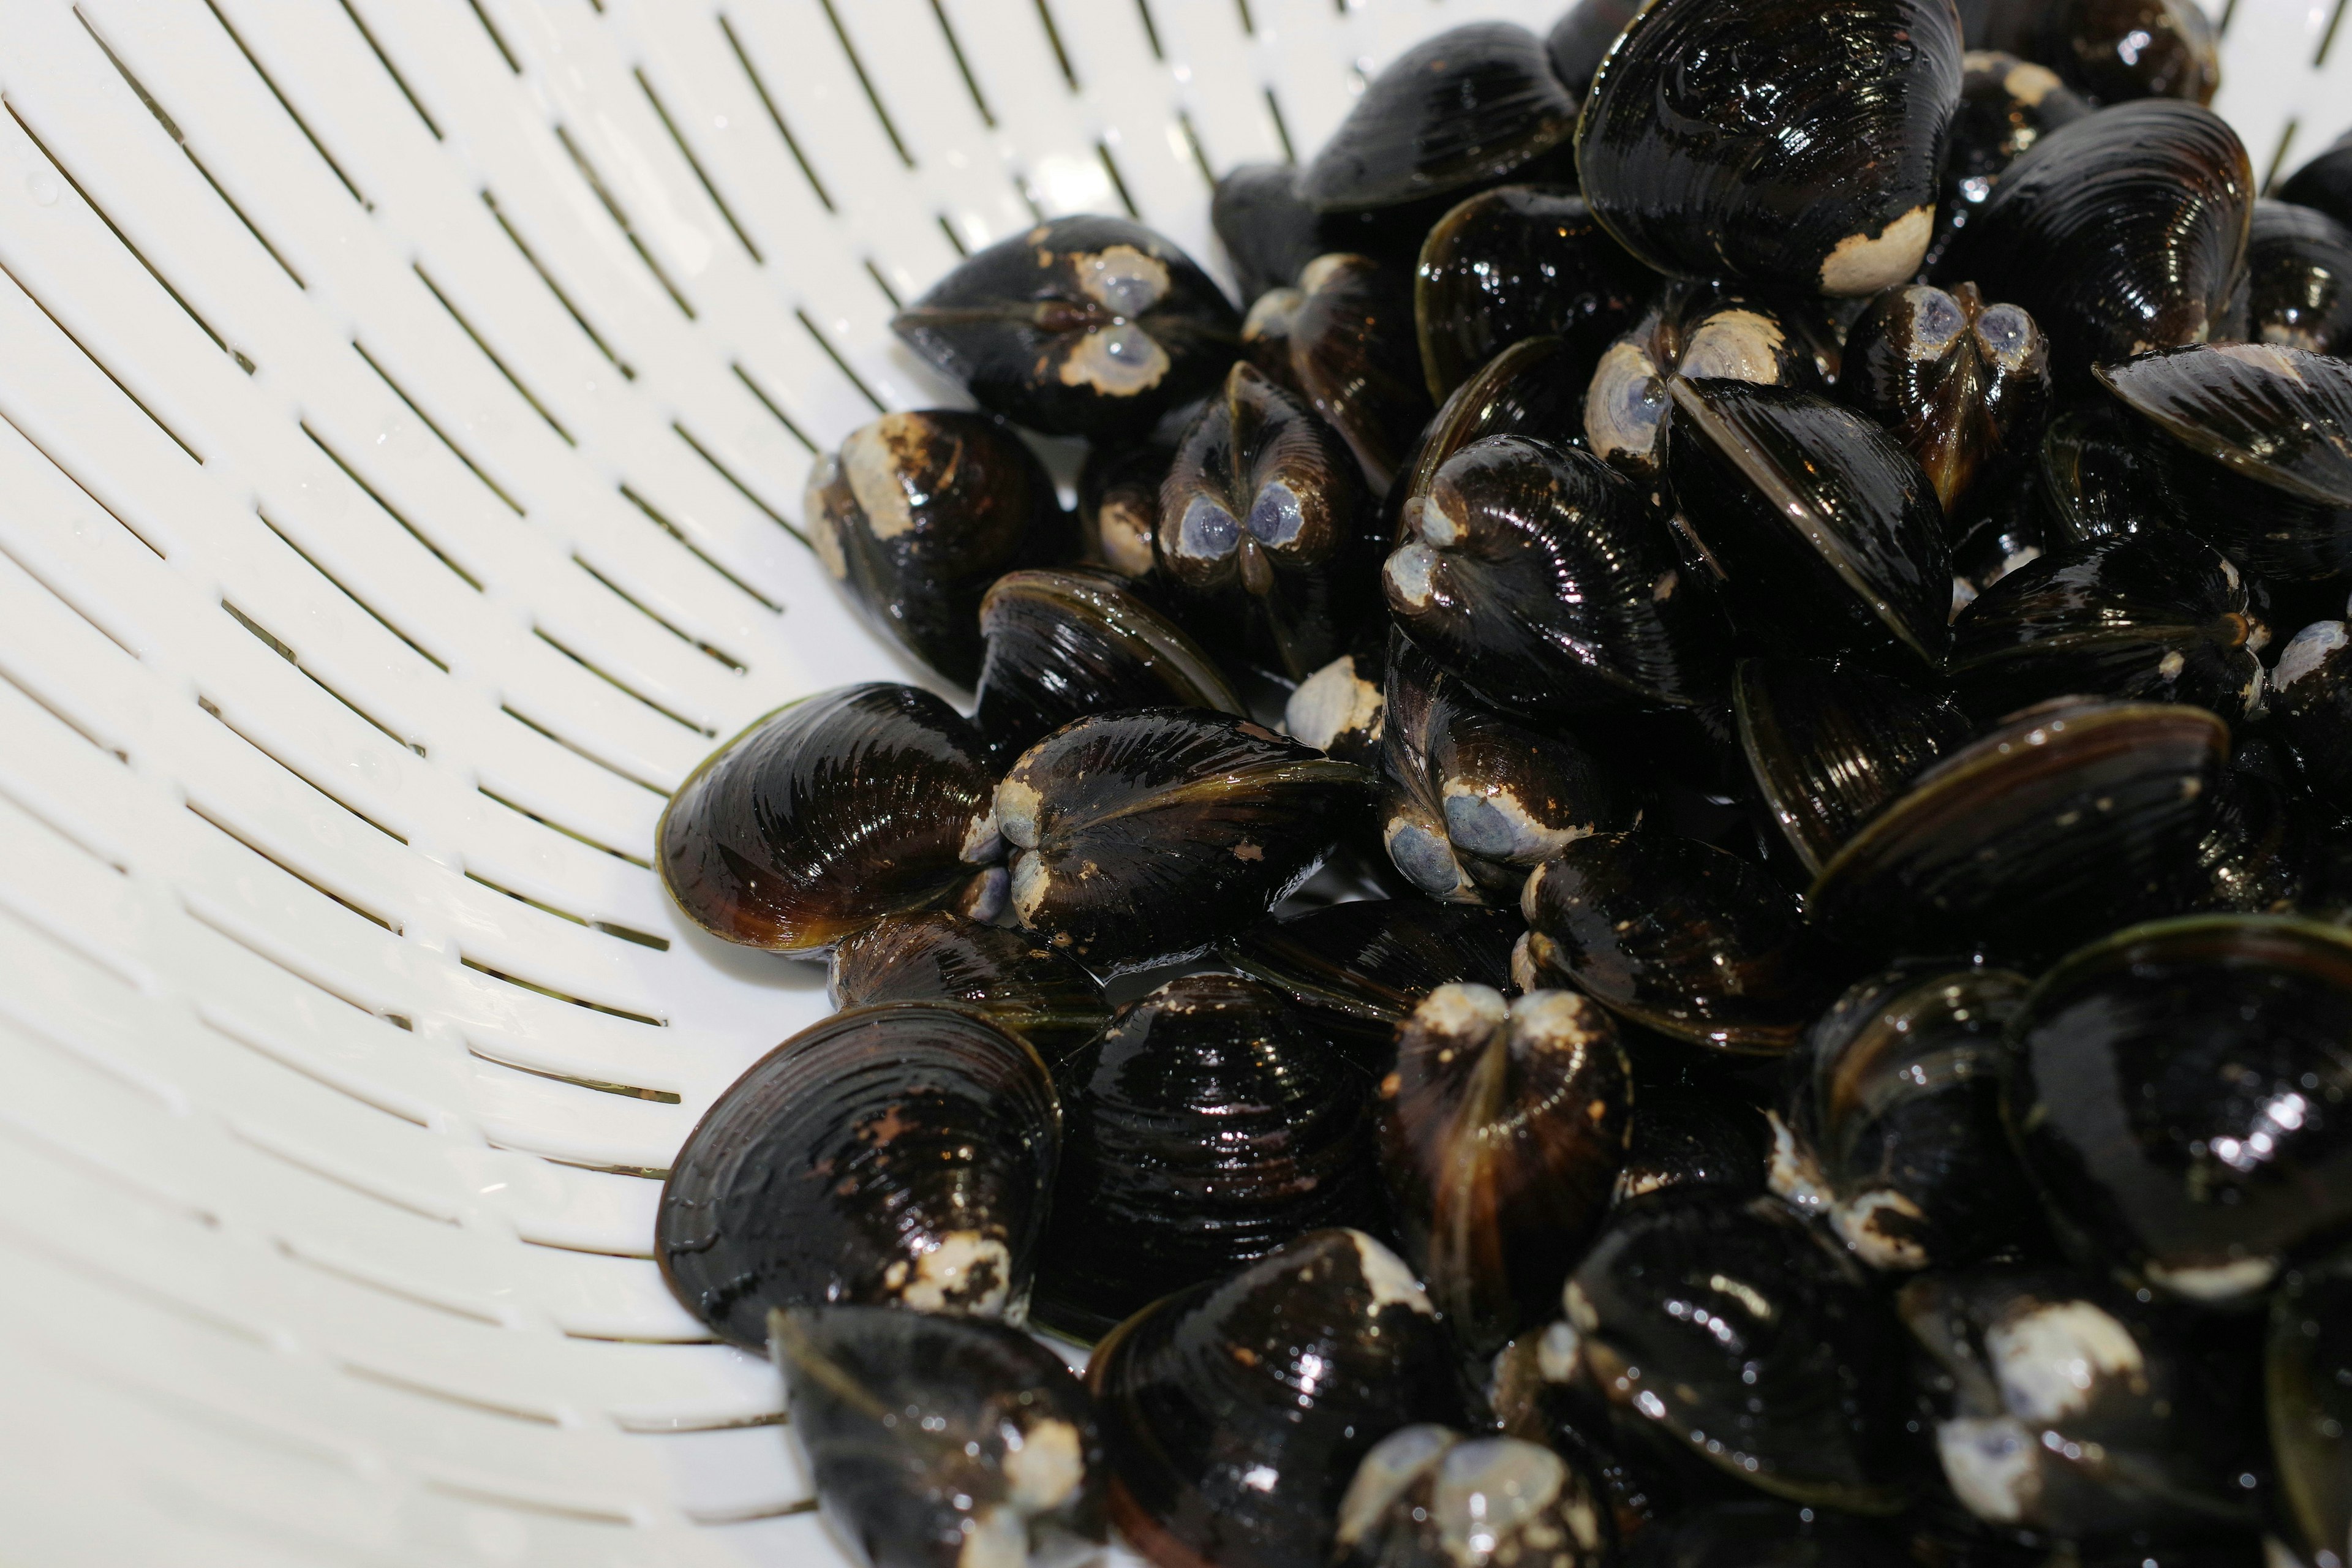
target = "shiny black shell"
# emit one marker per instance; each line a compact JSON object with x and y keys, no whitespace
{"x":1349,"y":348}
{"x":1966,"y":386}
{"x":2308,"y":1379}
{"x":2324,"y":183}
{"x":2311,"y":703}
{"x":2300,"y":264}
{"x":1009,"y":979}
{"x":1700,"y":330}
{"x":2111,"y":51}
{"x":1536,"y":387}
{"x":2007,"y":105}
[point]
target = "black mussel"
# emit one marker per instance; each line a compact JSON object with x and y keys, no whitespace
{"x":2065,"y":1407}
{"x":1894,"y":1131}
{"x":939,"y":1442}
{"x":1472,"y":799}
{"x":1359,"y":968}
{"x":1009,"y":979}
{"x":1119,"y":503}
{"x":1234,"y":1413}
{"x":2299,"y":263}
{"x":1081,"y":326}
{"x":1146,"y":835}
{"x":2066,"y":820}
{"x":2307,"y":1378}
{"x":1676,"y":935}
{"x":1582,"y":35}
{"x":2113,"y":51}
{"x":2258,"y":855}
{"x":1705,"y":329}
{"x":1829,"y":744}
{"x":1536,"y":572}
{"x":1267,"y":530}
{"x":2311,"y":705}
{"x":1342,"y":708}
{"x":2259,"y":453}
{"x":1463,"y":109}
{"x":1267,"y":227}
{"x":901,"y":1155}
{"x":1694,"y":1138}
{"x":2157,"y":617}
{"x":1429,"y":1497}
{"x":1535,"y":388}
{"x":1207,"y":1127}
{"x":1343,"y":340}
{"x":1765,"y":1534}
{"x":2007,"y":105}
{"x":1966,"y":386}
{"x":829,"y":813}
{"x":2120,"y":231}
{"x":1533,"y":1393}
{"x":1502,"y":1128}
{"x":1064,"y":643}
{"x":2100,"y":474}
{"x":918,"y":512}
{"x":1714,"y":149}
{"x":2181,"y":1093}
{"x":2326,"y":183}
{"x":1822,"y":528}
{"x":1723,"y":1327}
{"x":1521,"y":261}
{"x":1998,"y":532}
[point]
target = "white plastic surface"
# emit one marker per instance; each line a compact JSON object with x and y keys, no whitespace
{"x":404,"y":410}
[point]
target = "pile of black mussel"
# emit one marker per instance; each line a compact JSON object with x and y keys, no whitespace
{"x":1658,"y":875}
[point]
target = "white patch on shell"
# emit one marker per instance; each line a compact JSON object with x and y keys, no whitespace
{"x":1888,"y":1251}
{"x":1028,"y":888}
{"x":1047,"y":1467}
{"x":1618,"y":416}
{"x":2215,"y":1282}
{"x":1557,"y":1020}
{"x":2024,"y":555}
{"x":1333,"y":702}
{"x":1017,"y":803}
{"x":822,"y":531}
{"x":1460,"y":1010}
{"x":2169,"y":666}
{"x":994,"y":1537}
{"x":1792,"y":1173}
{"x":1964,"y":593}
{"x":2050,"y":1358}
{"x":2029,"y":83}
{"x":868,"y":462}
{"x":1560,"y":1353}
{"x":1271,"y":315}
{"x":1579,"y":1308}
{"x":1407,"y":571}
{"x":1118,"y":361}
{"x":1735,"y":345}
{"x":1493,"y":822}
{"x":943,"y":1281}
{"x":1388,"y":1277}
{"x":1435,"y":523}
{"x":983,"y":897}
{"x":983,"y":843}
{"x":1523,"y":965}
{"x":1123,"y":279}
{"x":2307,"y":650}
{"x":1865,"y":264}
{"x":1992,"y":1466}
{"x":1124,"y":531}
{"x":1490,"y":1489}
{"x":1395,"y":1462}
{"x":1322,"y":270}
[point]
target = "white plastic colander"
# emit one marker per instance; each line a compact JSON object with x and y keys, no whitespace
{"x":403,"y":411}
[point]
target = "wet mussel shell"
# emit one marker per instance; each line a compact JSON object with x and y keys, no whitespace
{"x":1503,"y":1125}
{"x":1358,"y":968}
{"x":1348,"y":349}
{"x":1081,"y":326}
{"x":827,"y":814}
{"x":2299,"y":261}
{"x":1728,"y":1330}
{"x":1714,"y":149}
{"x":1678,"y":936}
{"x":1894,"y":1134}
{"x":2100,"y":474}
{"x":899,"y":1155}
{"x":2325,"y":183}
{"x":1267,"y":230}
{"x":1708,"y":331}
{"x":1582,"y":35}
{"x":1209,"y":1125}
{"x":2120,"y":231}
{"x":917,"y":514}
{"x":1694,"y":1138}
{"x":2112,"y":51}
{"x":1148,"y":835}
{"x":1535,"y":388}
{"x":2259,"y":449}
{"x":1342,"y":708}
{"x":1824,"y":530}
{"x":1008,"y":978}
{"x":1234,"y":1413}
{"x":1119,"y":502}
{"x":2308,"y":1376}
{"x":1429,"y":1497}
{"x":939,"y":1442}
{"x":1829,"y":744}
{"x":2261,"y":852}
{"x":2156,"y":616}
{"x":1964,"y":385}
{"x":2007,"y":104}
{"x":2311,"y":705}
{"x":1064,"y":643}
{"x":2182,"y":1093}
{"x":1537,"y":574}
{"x":2063,"y":822}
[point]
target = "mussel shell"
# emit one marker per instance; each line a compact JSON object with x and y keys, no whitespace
{"x":1354,"y":356}
{"x":1064,"y":643}
{"x":1148,"y":835}
{"x":938,"y":1442}
{"x":2308,"y":1376}
{"x":2311,"y":703}
{"x":1536,"y":387}
{"x":1895,"y":1133}
{"x":1519,"y":261}
{"x":2260,"y":852}
{"x":1342,"y":708}
{"x":1582,"y":35}
{"x":1357,"y":969}
{"x":1729,"y":1330}
{"x":1428,"y":1497}
{"x":1467,"y":106}
{"x":1081,"y":326}
{"x":2066,"y":1407}
{"x":1502,"y":1128}
{"x":827,"y":814}
{"x":2061,"y":823}
{"x":1472,"y":799}
{"x":2260,"y":451}
{"x":1709,"y":330}
{"x":2120,"y":231}
{"x":2007,"y":104}
{"x":1678,"y":936}
{"x":2324,"y":183}
{"x":1694,"y":1138}
{"x":2151,"y":618}
{"x":1714,"y":149}
{"x":1535,"y":573}
{"x":1830,"y":743}
{"x":1764,"y":1534}
{"x":1964,"y":385}
{"x":1824,"y":530}
{"x":2299,"y":261}
{"x":1265,"y":528}
{"x":901,"y":1155}
{"x":2181,"y":1094}
{"x":1267,"y":230}
{"x":1015,"y":983}
{"x":2100,"y":474}
{"x":2111,"y":51}
{"x":1119,"y":503}
{"x":1234,"y":1413}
